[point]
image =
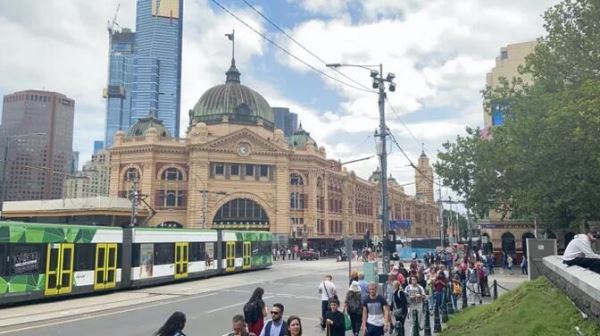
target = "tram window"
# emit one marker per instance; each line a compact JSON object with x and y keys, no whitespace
{"x":3,"y":259}
{"x":238,"y":248}
{"x":164,"y":253}
{"x":135,"y":255}
{"x":84,"y":256}
{"x":26,"y":258}
{"x":197,"y":251}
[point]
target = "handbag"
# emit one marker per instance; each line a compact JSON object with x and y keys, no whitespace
{"x":347,"y":322}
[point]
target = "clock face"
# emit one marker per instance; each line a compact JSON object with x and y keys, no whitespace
{"x":244,"y":149}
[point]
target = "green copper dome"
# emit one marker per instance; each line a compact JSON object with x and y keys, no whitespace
{"x":300,"y":138}
{"x":141,"y":127}
{"x":239,"y":103}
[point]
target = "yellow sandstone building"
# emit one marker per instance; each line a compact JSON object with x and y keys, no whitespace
{"x":235,"y":170}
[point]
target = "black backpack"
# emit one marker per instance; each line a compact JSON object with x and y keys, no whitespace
{"x":252,"y":311}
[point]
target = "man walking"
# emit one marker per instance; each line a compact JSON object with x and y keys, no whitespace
{"x":416,"y":296}
{"x":276,"y":326}
{"x":239,"y":327}
{"x":327,"y":291}
{"x":376,"y":313}
{"x":579,"y":251}
{"x":473,"y":285}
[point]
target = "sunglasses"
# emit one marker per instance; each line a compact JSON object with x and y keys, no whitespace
{"x":275,"y":312}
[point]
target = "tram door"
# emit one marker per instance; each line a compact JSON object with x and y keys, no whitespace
{"x":59,"y":269}
{"x":247,"y":257}
{"x":181,"y":260}
{"x":105,"y":273}
{"x":230,"y":256}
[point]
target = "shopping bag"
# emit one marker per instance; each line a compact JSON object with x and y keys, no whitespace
{"x":347,"y":322}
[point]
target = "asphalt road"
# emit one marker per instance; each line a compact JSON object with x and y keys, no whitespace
{"x":208,"y":303}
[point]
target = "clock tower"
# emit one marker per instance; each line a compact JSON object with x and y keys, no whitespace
{"x":424,"y":179}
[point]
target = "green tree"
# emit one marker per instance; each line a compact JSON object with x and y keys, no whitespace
{"x":545,"y":160}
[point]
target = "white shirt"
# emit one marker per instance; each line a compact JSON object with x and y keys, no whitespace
{"x":330,"y":290}
{"x":580,"y":246}
{"x":275,"y":328}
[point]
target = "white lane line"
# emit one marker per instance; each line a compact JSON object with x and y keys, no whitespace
{"x":232,"y":305}
{"x":87,"y":317}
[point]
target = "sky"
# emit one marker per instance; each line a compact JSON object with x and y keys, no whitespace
{"x":439,"y":51}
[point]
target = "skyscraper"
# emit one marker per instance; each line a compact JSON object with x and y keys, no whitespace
{"x":98,"y":146}
{"x":285,"y":120}
{"x":118,"y":92}
{"x":157,"y":61}
{"x":37,"y":135}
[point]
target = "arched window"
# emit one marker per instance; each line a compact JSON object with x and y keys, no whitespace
{"x":241,"y":211}
{"x":508,"y":243}
{"x":172,"y":174}
{"x":296,"y":179}
{"x":132,"y":174}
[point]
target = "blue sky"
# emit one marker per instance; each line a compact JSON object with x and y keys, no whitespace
{"x":440,"y":51}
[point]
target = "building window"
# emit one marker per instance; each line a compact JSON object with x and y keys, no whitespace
{"x":234,"y":169}
{"x":296,"y":179}
{"x":297,"y":201}
{"x":171,"y":198}
{"x":172,"y":174}
{"x":264,"y":171}
{"x":249,"y":170}
{"x":132,"y":174}
{"x":219,"y":169}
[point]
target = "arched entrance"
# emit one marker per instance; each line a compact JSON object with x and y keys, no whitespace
{"x":170,"y":224}
{"x":241,"y":211}
{"x":486,"y":244}
{"x":508,"y":243}
{"x":524,"y":238}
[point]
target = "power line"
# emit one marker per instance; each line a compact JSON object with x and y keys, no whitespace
{"x":410,"y":161}
{"x":402,"y":122}
{"x":284,"y":50}
{"x":302,"y":46}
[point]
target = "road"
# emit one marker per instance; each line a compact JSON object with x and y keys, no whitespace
{"x":208,"y":303}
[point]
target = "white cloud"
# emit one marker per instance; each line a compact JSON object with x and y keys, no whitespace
{"x":323,"y":7}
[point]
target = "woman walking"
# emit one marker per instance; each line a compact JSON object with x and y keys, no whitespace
{"x":173,"y":326}
{"x":255,"y":311}
{"x":353,"y":307}
{"x":294,"y":326}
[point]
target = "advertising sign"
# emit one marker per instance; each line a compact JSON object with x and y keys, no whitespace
{"x":146,"y":260}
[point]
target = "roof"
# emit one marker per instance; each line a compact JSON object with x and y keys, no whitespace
{"x":58,"y":207}
{"x":141,"y":127}
{"x":239,"y":103}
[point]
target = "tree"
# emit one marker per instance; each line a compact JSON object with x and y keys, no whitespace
{"x":545,"y":160}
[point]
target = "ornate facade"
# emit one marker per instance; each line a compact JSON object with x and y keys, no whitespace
{"x":235,"y":170}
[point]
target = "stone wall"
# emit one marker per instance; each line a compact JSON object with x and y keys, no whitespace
{"x":582,"y":286}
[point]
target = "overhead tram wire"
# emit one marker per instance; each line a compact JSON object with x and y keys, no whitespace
{"x":303,"y":47}
{"x":402,"y":122}
{"x":410,"y":161}
{"x":285,"y":50}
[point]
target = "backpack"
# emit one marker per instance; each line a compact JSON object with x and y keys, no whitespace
{"x":354,"y":304}
{"x":251,"y":312}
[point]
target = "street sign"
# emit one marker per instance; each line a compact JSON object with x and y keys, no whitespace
{"x":348,"y":242}
{"x":403,"y":224}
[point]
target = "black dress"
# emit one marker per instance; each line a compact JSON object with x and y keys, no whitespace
{"x":338,"y":328}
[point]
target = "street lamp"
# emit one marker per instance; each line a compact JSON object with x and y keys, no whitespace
{"x":379,"y":83}
{"x":5,"y":160}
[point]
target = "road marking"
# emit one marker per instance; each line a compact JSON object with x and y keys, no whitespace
{"x":232,"y":305}
{"x":88,"y":316}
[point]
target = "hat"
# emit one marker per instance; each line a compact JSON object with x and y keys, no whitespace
{"x":354,"y":286}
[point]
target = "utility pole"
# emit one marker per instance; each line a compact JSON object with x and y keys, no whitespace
{"x":205,"y":207}
{"x":134,"y":200}
{"x":441,"y":206}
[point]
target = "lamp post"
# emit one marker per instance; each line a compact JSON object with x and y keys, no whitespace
{"x":5,"y":160}
{"x":379,"y":83}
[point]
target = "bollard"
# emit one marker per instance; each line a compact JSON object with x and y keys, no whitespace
{"x":415,"y":319}
{"x":427,"y":328}
{"x":464,"y":295}
{"x":449,"y":305}
{"x":437,"y":325}
{"x":495,"y":289}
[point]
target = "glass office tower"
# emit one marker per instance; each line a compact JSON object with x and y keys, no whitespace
{"x":118,"y":93}
{"x":157,"y":61}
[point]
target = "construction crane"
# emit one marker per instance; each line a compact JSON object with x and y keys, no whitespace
{"x":113,"y":23}
{"x":111,"y":29}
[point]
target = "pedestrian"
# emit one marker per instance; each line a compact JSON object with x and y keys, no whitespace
{"x":439,"y":289}
{"x":416,"y":296}
{"x":327,"y":291}
{"x":389,"y":289}
{"x":399,"y":308}
{"x":509,"y":262}
{"x":579,"y":251}
{"x":353,"y":277}
{"x":353,"y":306}
{"x":364,"y":286}
{"x":524,"y":265}
{"x":239,"y":327}
{"x":473,"y":285}
{"x":255,"y":311}
{"x":294,"y":326}
{"x":336,"y":323}
{"x":456,"y":290}
{"x":376,"y":313}
{"x":174,"y":325}
{"x":276,"y":326}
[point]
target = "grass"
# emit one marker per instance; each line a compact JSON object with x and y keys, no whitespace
{"x":534,"y":308}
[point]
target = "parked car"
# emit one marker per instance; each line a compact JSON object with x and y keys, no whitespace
{"x":309,"y":254}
